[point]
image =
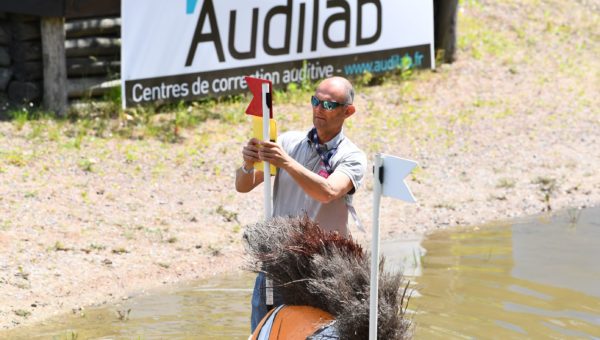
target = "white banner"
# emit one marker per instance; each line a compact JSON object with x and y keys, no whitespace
{"x":176,"y":49}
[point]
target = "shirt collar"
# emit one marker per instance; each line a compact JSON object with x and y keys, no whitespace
{"x":333,"y":143}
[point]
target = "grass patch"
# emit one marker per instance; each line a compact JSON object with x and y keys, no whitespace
{"x":22,"y":313}
{"x":228,"y":215}
{"x":444,"y":205}
{"x":120,"y":250}
{"x":478,"y":36}
{"x":97,"y":247}
{"x":506,"y":183}
{"x":69,"y":335}
{"x":5,"y":225}
{"x":15,"y":158}
{"x":87,"y":164}
{"x":59,"y":246}
{"x":547,"y":187}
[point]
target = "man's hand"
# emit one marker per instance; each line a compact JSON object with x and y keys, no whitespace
{"x":250,"y":152}
{"x":274,"y":154}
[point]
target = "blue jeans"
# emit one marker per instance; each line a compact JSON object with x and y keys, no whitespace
{"x":259,"y":302}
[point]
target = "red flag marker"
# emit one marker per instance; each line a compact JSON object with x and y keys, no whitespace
{"x":255,"y":86}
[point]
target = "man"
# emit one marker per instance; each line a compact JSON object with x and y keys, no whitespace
{"x":317,"y":172}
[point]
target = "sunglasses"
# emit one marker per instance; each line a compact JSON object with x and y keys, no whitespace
{"x":326,"y":104}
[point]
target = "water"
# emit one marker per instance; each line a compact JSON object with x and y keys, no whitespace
{"x":534,"y":278}
{"x":213,"y":309}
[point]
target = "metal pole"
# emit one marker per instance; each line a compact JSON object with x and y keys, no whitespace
{"x":267,"y":167}
{"x":267,"y":181}
{"x":375,"y":249}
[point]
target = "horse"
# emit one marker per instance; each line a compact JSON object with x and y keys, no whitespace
{"x":323,"y":279}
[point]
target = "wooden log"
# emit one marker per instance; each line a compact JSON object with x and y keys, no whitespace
{"x":26,"y":50}
{"x":93,"y":27}
{"x":96,"y":46}
{"x":91,"y":8}
{"x":4,"y":34}
{"x":90,"y":87}
{"x":4,"y":56}
{"x":4,"y":103}
{"x":28,"y":70}
{"x":24,"y":92}
{"x":23,"y":17}
{"x":5,"y":76}
{"x":55,"y":64}
{"x":77,"y":67}
{"x":25,"y":30}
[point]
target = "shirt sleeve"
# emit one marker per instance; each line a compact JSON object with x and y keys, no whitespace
{"x":353,"y":165}
{"x":288,"y":139}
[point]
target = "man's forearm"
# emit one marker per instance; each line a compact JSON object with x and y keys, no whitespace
{"x":246,"y":181}
{"x":317,"y":187}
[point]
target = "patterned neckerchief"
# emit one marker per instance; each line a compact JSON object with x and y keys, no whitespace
{"x":324,"y":152}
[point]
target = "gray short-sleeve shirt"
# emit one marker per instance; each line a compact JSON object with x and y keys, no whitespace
{"x":290,"y":200}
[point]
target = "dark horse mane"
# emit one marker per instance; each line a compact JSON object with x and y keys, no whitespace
{"x":325,"y":270}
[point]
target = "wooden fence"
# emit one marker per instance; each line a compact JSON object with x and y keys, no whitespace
{"x":91,"y":47}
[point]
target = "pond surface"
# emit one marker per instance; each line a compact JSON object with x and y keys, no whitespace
{"x":217,"y":308}
{"x":535,"y":278}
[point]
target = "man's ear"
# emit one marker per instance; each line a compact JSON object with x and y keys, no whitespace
{"x":350,"y":109}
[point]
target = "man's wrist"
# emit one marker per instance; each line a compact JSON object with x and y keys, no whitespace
{"x":247,"y":171}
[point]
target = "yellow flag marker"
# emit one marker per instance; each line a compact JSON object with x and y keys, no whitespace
{"x":257,"y":132}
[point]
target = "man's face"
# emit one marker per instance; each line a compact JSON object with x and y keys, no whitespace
{"x":330,"y":122}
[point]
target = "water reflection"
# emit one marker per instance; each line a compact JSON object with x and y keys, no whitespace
{"x":214,"y":309}
{"x":536,"y":278}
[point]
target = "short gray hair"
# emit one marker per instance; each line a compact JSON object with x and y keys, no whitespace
{"x":348,"y":88}
{"x":349,"y":94}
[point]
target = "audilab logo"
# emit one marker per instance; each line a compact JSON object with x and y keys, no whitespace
{"x":191,"y":5}
{"x":337,"y":12}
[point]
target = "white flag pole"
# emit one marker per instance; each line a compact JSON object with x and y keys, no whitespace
{"x":375,"y":248}
{"x":267,"y":180}
{"x":266,"y":138}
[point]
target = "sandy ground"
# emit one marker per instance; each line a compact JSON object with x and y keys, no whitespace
{"x":510,"y":129}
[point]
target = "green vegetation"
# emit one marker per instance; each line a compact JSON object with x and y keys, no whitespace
{"x":227,"y":215}
{"x":123,"y":315}
{"x":479,"y":39}
{"x":87,"y":164}
{"x":120,"y":250}
{"x":547,"y":187}
{"x":22,"y":313}
{"x":483,"y":36}
{"x":97,"y":247}
{"x":69,"y":335}
{"x":59,"y":246}
{"x":163,"y":265}
{"x":506,"y":183}
{"x":5,"y":225}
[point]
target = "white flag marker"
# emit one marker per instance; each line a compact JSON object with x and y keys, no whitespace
{"x":266,"y":134}
{"x":389,"y":173}
{"x":267,"y":179}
